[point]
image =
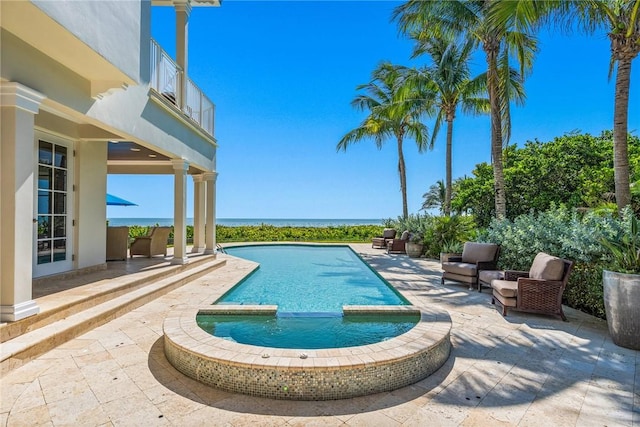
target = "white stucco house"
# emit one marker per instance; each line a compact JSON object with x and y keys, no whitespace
{"x":86,"y":92}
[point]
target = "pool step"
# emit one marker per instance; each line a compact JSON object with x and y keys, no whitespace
{"x":104,"y":302}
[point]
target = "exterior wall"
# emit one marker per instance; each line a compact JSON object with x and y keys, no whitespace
{"x":129,"y":114}
{"x":117,"y":30}
{"x":91,"y":209}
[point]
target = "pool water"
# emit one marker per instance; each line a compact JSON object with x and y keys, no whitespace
{"x":309,"y":285}
{"x":307,"y":332}
{"x":309,"y":279}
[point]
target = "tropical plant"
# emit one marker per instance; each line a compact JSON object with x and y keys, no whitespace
{"x":449,"y":76}
{"x":573,"y":169}
{"x":500,"y":42}
{"x":395,"y":110}
{"x":435,"y":197}
{"x":624,"y":249}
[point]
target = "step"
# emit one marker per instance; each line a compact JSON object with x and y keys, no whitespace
{"x":66,"y":303}
{"x":24,"y":348}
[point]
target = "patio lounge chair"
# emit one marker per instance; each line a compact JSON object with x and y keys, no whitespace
{"x":538,"y":290}
{"x":380,"y":242}
{"x":397,"y":245}
{"x":154,"y":243}
{"x":475,"y":258}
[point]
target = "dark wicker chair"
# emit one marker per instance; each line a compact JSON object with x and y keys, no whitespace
{"x":538,"y":290}
{"x":475,"y":258}
{"x":397,"y":245}
{"x":380,"y":242}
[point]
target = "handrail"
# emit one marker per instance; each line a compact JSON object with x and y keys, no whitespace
{"x":167,"y":78}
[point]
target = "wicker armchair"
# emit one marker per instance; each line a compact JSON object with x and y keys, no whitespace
{"x":380,"y":242}
{"x":117,"y":243}
{"x":538,"y":290}
{"x":397,"y":245}
{"x":155,"y":243}
{"x":475,"y":258}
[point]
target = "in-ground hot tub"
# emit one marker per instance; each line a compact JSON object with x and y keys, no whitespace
{"x":308,"y":374}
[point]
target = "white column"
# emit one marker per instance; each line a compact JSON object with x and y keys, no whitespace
{"x":180,"y":168}
{"x":19,"y":104}
{"x":210,"y":229}
{"x":183,"y":10}
{"x":198,"y":213}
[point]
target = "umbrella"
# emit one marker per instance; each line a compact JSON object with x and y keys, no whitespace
{"x":117,"y":201}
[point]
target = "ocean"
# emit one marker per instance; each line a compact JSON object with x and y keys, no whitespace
{"x":236,"y":222}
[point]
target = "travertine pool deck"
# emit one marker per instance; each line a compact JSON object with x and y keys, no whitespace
{"x":520,"y":370}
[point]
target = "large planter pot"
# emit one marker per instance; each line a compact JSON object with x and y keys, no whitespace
{"x":621,"y":302}
{"x":414,"y":250}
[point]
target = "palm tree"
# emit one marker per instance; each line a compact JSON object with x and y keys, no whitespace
{"x":395,"y":110}
{"x":622,"y":19}
{"x":435,"y":197}
{"x":499,"y":43}
{"x":449,"y":76}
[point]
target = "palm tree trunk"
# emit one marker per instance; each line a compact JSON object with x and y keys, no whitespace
{"x":620,"y":149}
{"x":447,"y":193}
{"x":403,"y":178}
{"x":491,"y":47}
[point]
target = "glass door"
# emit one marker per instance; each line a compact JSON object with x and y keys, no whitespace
{"x":54,"y":234}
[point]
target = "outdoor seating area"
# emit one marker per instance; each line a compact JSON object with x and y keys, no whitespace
{"x":117,"y":243}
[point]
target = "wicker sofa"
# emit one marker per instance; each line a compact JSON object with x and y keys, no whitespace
{"x":475,"y":258}
{"x":538,"y":290}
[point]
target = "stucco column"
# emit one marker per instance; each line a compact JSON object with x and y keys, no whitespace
{"x":183,"y":10}
{"x":198,"y":213}
{"x":19,"y":104}
{"x":180,"y":168}
{"x":210,"y":229}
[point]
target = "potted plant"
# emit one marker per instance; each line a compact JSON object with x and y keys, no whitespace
{"x":621,"y":285}
{"x":415,"y":245}
{"x":450,"y":248}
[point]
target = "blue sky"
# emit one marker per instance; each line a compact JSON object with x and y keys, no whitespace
{"x":282,"y":76}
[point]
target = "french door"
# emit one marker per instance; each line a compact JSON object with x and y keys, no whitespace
{"x":54,"y":197}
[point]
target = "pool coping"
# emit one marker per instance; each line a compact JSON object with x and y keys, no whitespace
{"x":298,"y":374}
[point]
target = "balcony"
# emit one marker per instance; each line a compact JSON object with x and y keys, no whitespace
{"x":168,"y":79}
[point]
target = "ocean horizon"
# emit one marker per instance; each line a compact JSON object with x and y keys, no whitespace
{"x":237,"y":222}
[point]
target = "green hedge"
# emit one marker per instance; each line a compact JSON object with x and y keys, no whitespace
{"x":270,"y":233}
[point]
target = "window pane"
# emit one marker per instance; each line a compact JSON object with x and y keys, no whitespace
{"x":44,"y":252}
{"x":44,"y":227}
{"x":61,"y":156}
{"x":59,"y":203}
{"x":45,"y":153}
{"x":44,"y":177}
{"x":59,"y":226}
{"x":44,"y":202}
{"x":60,"y":180}
{"x":59,"y":250}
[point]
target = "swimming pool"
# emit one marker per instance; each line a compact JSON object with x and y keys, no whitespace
{"x":306,"y":374}
{"x":310,"y":285}
{"x":309,"y":279}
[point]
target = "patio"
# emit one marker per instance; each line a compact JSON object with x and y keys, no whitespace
{"x":519,"y":370}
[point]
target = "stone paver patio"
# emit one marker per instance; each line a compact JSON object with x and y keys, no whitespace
{"x":519,"y":370}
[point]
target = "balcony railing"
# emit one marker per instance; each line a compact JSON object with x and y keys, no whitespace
{"x":167,"y":79}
